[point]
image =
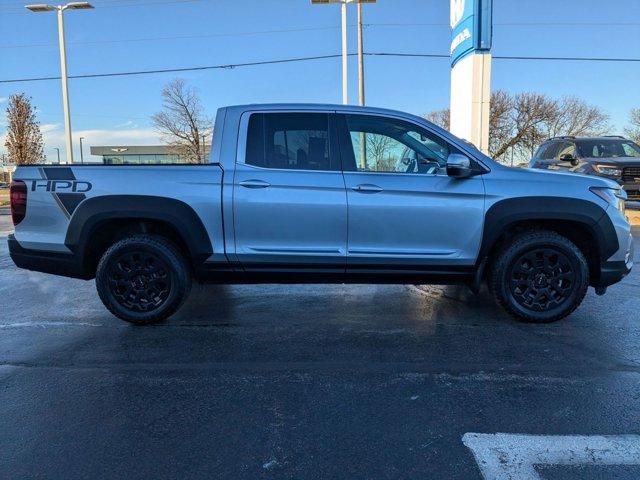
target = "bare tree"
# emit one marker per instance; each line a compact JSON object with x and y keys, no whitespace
{"x":441,"y":118}
{"x":24,"y":139}
{"x":500,"y":120}
{"x":633,"y":131}
{"x":572,"y":116}
{"x":519,"y":123}
{"x":182,"y":123}
{"x":379,"y":149}
{"x":525,"y":122}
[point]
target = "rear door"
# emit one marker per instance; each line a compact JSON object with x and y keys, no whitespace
{"x":290,"y":208}
{"x":405,"y":213}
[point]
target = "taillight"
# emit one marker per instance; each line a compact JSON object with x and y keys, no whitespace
{"x":18,"y":195}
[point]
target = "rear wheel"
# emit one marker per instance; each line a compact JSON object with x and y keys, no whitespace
{"x":540,"y":277}
{"x":143,"y":279}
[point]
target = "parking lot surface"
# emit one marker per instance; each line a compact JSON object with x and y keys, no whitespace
{"x":321,"y":381}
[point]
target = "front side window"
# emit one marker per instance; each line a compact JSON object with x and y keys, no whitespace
{"x":608,"y":148}
{"x":381,"y":144}
{"x":296,"y":141}
{"x":630,"y":149}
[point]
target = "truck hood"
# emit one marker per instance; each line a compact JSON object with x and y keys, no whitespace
{"x":570,"y":179}
{"x":616,"y":161}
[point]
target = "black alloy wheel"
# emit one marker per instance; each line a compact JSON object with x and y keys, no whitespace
{"x":542,"y":278}
{"x":539,"y":276}
{"x":139,"y":281}
{"x":143,"y":279}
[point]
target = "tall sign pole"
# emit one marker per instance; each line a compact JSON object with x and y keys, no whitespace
{"x":471,"y":38}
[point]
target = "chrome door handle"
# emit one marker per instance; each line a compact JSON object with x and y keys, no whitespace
{"x":366,"y":188}
{"x":255,"y":184}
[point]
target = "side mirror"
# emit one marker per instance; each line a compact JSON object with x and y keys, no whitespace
{"x":459,"y":166}
{"x":567,"y":157}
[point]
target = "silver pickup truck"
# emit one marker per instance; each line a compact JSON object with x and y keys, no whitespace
{"x":323,"y":194}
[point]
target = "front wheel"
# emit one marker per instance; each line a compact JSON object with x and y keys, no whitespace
{"x":540,"y":277}
{"x":143,"y":279}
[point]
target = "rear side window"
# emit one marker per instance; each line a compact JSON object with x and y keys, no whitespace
{"x":294,"y":141}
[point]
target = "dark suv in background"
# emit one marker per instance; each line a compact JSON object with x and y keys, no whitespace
{"x":613,"y":157}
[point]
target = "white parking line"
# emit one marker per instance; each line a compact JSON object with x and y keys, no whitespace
{"x":503,"y":456}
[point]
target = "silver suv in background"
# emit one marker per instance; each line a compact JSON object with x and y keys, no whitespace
{"x":612,"y":157}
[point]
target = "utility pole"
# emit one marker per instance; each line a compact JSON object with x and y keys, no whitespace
{"x":58,"y":151}
{"x":81,"y":154}
{"x":345,"y":52}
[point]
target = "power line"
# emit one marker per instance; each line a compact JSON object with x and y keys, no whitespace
{"x":569,"y":59}
{"x":569,"y":24}
{"x":176,"y":37}
{"x":305,"y":59}
{"x":176,"y":70}
{"x":510,"y":57}
{"x":275,"y":31}
{"x":508,"y":24}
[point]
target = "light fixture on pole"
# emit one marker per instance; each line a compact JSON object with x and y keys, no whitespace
{"x":345,"y":53}
{"x":81,"y":153}
{"x":204,"y":148}
{"x":59,"y":9}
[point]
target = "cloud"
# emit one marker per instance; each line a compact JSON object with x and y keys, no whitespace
{"x":53,"y":135}
{"x":46,"y":128}
{"x":128,"y":123}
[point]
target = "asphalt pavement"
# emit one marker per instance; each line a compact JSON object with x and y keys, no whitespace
{"x":322,"y":381}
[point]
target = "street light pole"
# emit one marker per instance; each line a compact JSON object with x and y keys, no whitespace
{"x":65,"y":86}
{"x":38,"y":8}
{"x":204,"y":148}
{"x":345,"y":56}
{"x":345,"y":53}
{"x":360,"y":58}
{"x":81,"y":154}
{"x":58,"y":150}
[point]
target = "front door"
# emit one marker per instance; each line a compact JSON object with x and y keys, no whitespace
{"x":405,"y":213}
{"x":290,"y":207}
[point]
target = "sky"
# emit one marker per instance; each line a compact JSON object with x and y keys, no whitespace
{"x":128,"y":35}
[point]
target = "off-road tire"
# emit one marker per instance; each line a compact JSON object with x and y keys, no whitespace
{"x":143,"y":279}
{"x":558,"y":277}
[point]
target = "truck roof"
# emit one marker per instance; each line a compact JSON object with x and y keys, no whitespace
{"x":324,"y":106}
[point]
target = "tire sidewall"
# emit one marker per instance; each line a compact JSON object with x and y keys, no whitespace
{"x":578,"y":263}
{"x":176,"y":269}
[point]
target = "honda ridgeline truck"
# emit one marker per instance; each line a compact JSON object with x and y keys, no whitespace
{"x":323,"y":194}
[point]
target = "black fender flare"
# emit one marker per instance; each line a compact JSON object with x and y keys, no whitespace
{"x":94,"y":211}
{"x":505,"y":213}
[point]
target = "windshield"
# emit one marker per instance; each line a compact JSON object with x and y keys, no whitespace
{"x":607,"y":148}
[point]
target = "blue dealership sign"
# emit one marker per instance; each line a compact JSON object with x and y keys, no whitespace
{"x":471,"y":27}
